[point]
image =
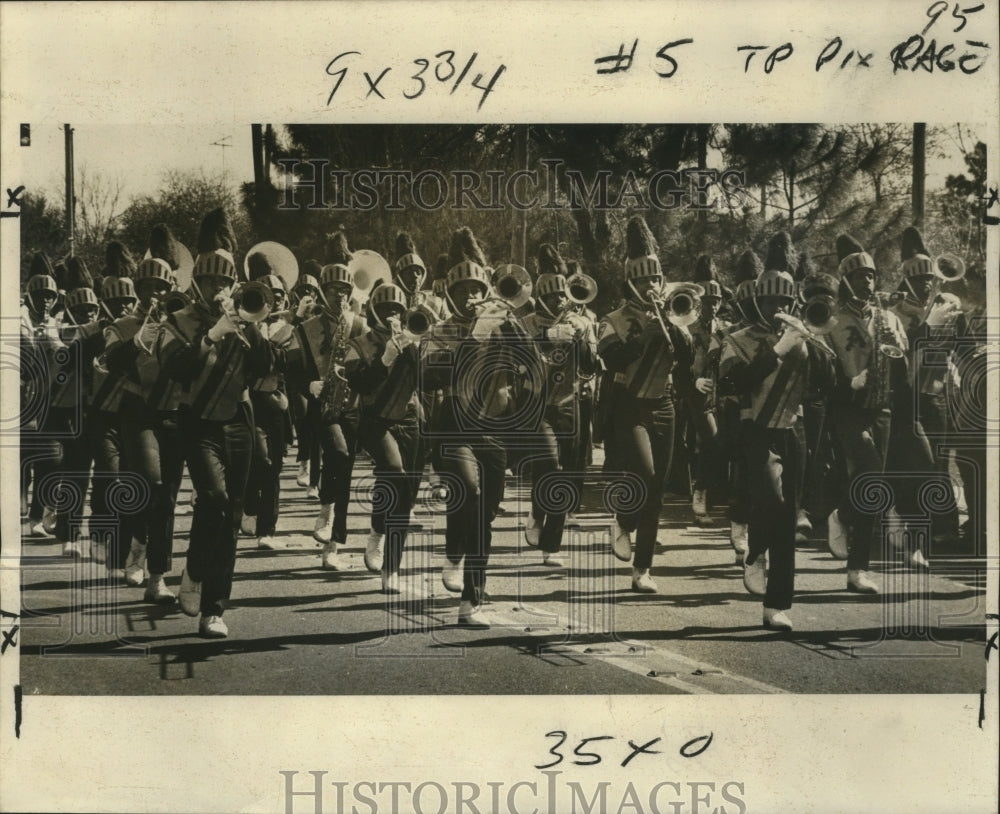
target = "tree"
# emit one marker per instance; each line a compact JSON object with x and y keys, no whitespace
{"x":43,"y":229}
{"x":181,"y":202}
{"x":99,"y":206}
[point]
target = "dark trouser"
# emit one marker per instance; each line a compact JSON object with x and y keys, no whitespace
{"x":584,"y":449}
{"x":862,"y":436}
{"x":678,"y":478}
{"x":774,"y":461}
{"x":339,"y":442}
{"x":154,"y":451}
{"x":108,"y":451}
{"x":42,"y":452}
{"x":73,"y":478}
{"x":933,"y":415}
{"x":555,"y":450}
{"x":476,"y":467}
{"x":264,"y":483}
{"x":397,"y":455}
{"x":643,"y":431}
{"x":307,"y":420}
{"x":704,"y":438}
{"x":731,"y":451}
{"x":218,"y":459}
{"x":813,"y":425}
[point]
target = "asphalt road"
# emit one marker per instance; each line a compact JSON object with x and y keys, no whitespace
{"x":297,"y":629}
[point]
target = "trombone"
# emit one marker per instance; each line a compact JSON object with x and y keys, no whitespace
{"x":513,"y":288}
{"x":794,"y":323}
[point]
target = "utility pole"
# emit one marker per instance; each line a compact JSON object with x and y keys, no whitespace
{"x":919,"y":171}
{"x":70,"y":191}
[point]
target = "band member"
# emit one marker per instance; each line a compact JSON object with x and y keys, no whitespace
{"x":642,"y":349}
{"x":569,"y":347}
{"x":41,"y":450}
{"x":466,"y":358}
{"x":316,"y":359}
{"x":869,"y":340}
{"x":153,"y":448}
{"x":769,"y":364}
{"x":306,"y":303}
{"x":706,"y":336}
{"x":270,"y":407}
{"x":381,"y":366}
{"x":71,"y":395}
{"x":215,"y":359}
{"x":730,"y":406}
{"x":920,"y":412}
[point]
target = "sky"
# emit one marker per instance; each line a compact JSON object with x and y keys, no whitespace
{"x":140,"y":156}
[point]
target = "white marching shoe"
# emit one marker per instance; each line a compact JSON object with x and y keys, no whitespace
{"x":98,"y":550}
{"x":189,"y":595}
{"x":157,"y":591}
{"x":470,"y":615}
{"x":755,"y":576}
{"x":621,"y":544}
{"x":917,"y":560}
{"x":860,"y":582}
{"x":453,"y":575}
{"x":390,"y":582}
{"x":312,"y":493}
{"x":135,"y":565}
{"x":212,"y":627}
{"x":323,"y":527}
{"x":836,"y":536}
{"x":699,"y":502}
{"x":374,"y":554}
{"x":268,"y":543}
{"x":302,"y":479}
{"x":248,"y":525}
{"x":553,"y":560}
{"x":738,"y":539}
{"x":532,"y":530}
{"x":776,"y":619}
{"x":74,"y":549}
{"x":329,"y":558}
{"x":642,"y":582}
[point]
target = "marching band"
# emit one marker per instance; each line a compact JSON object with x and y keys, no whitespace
{"x":766,"y":393}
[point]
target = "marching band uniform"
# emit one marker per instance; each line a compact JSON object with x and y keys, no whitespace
{"x":201,"y":349}
{"x":771,"y":374}
{"x":316,"y":358}
{"x":860,"y":416}
{"x":642,"y":356}
{"x":307,"y":452}
{"x":41,"y":347}
{"x":270,"y":407}
{"x":149,"y":400}
{"x":382,"y":368}
{"x":466,"y":359}
{"x":569,"y":349}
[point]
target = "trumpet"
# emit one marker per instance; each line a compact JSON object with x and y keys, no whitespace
{"x":419,"y":320}
{"x":794,"y":323}
{"x":513,"y":287}
{"x":679,"y":301}
{"x":581,"y":288}
{"x":229,"y":310}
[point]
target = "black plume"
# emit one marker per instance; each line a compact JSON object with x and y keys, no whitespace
{"x":748,"y":267}
{"x":337,"y":250}
{"x":781,"y":253}
{"x":77,"y":275}
{"x":639,"y":241}
{"x":40,"y":264}
{"x":216,"y":233}
{"x":118,"y":261}
{"x":464,"y":246}
{"x":805,"y":267}
{"x":259,"y":265}
{"x":441,"y":267}
{"x":847,"y":245}
{"x":163,"y":246}
{"x":704,"y":269}
{"x":550,"y":261}
{"x":404,"y":245}
{"x":312,"y":267}
{"x":912,"y":243}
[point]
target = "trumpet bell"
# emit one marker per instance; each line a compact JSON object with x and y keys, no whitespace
{"x":253,"y":301}
{"x":891,"y":351}
{"x":683,"y":303}
{"x":270,"y":257}
{"x":366,"y":268}
{"x":581,"y":288}
{"x":819,"y":314}
{"x":512,"y":284}
{"x":949,"y":267}
{"x":419,"y":321}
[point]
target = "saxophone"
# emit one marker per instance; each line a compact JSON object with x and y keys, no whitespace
{"x":885,"y":348}
{"x":335,"y":397}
